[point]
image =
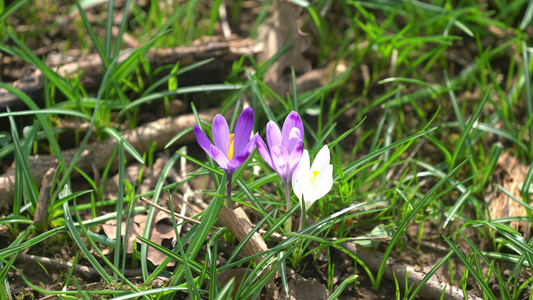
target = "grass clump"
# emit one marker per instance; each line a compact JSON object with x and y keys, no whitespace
{"x":429,"y":97}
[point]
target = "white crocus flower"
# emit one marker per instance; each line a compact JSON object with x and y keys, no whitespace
{"x":312,"y":183}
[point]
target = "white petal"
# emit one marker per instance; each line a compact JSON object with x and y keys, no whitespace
{"x":309,"y":198}
{"x":321,"y":160}
{"x":300,"y":175}
{"x":323,"y":182}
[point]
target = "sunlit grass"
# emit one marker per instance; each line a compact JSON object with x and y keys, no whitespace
{"x":438,"y":96}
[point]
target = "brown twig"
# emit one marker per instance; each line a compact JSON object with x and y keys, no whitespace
{"x":432,"y":289}
{"x":146,"y":201}
{"x":81,"y":269}
{"x":43,"y":202}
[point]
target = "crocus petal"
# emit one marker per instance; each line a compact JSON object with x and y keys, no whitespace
{"x":263,"y":150}
{"x":323,"y":184}
{"x":296,"y":155}
{"x":202,"y":139}
{"x":221,"y":133}
{"x":300,"y":175}
{"x":219,"y":157}
{"x":325,"y":178}
{"x":273,"y":135}
{"x":280,"y":159}
{"x":252,"y":143}
{"x":321,"y":159}
{"x":293,"y":120}
{"x":238,"y":160}
{"x":294,"y":138}
{"x":243,"y":130}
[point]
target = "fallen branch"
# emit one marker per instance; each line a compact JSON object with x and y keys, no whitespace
{"x":66,"y":265}
{"x":98,"y":154}
{"x":240,"y":226}
{"x":224,"y":51}
{"x":432,"y":289}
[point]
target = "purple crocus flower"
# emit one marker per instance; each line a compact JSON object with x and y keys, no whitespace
{"x":230,"y":149}
{"x":285,"y":146}
{"x":284,"y":152}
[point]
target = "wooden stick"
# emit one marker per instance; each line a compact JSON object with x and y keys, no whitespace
{"x":224,"y":51}
{"x":432,"y":289}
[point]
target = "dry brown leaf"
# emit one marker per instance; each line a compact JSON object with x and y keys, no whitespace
{"x":160,"y":230}
{"x":510,"y":173}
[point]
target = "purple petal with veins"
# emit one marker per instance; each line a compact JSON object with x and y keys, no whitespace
{"x":221,"y":133}
{"x":202,"y":139}
{"x":293,"y":120}
{"x":273,"y":135}
{"x":219,"y":157}
{"x":263,"y":150}
{"x":238,"y":160}
{"x":294,"y":138}
{"x":296,"y":155}
{"x":243,"y":130}
{"x":280,"y":159}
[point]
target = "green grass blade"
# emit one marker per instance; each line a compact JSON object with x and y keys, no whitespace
{"x":528,"y":16}
{"x":466,"y":133}
{"x":529,"y":97}
{"x":127,"y":145}
{"x":192,"y":288}
{"x":486,"y":290}
{"x":27,"y":185}
{"x":81,"y":245}
{"x":226,"y":290}
{"x":119,"y":207}
{"x":26,"y":54}
{"x":96,"y":42}
{"x":460,"y":201}
{"x":178,"y":136}
{"x":403,"y":224}
{"x":180,"y":91}
{"x":109,"y":27}
{"x":352,"y":167}
{"x":121,"y":29}
{"x":13,"y":7}
{"x":151,"y":212}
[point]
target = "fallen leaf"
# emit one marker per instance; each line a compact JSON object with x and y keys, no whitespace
{"x":160,"y":230}
{"x":510,"y":173}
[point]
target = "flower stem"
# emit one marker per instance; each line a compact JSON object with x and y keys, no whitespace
{"x":302,"y":218}
{"x":228,"y":191}
{"x":288,"y":223}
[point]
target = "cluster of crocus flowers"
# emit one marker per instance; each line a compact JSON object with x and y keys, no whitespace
{"x":285,"y":154}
